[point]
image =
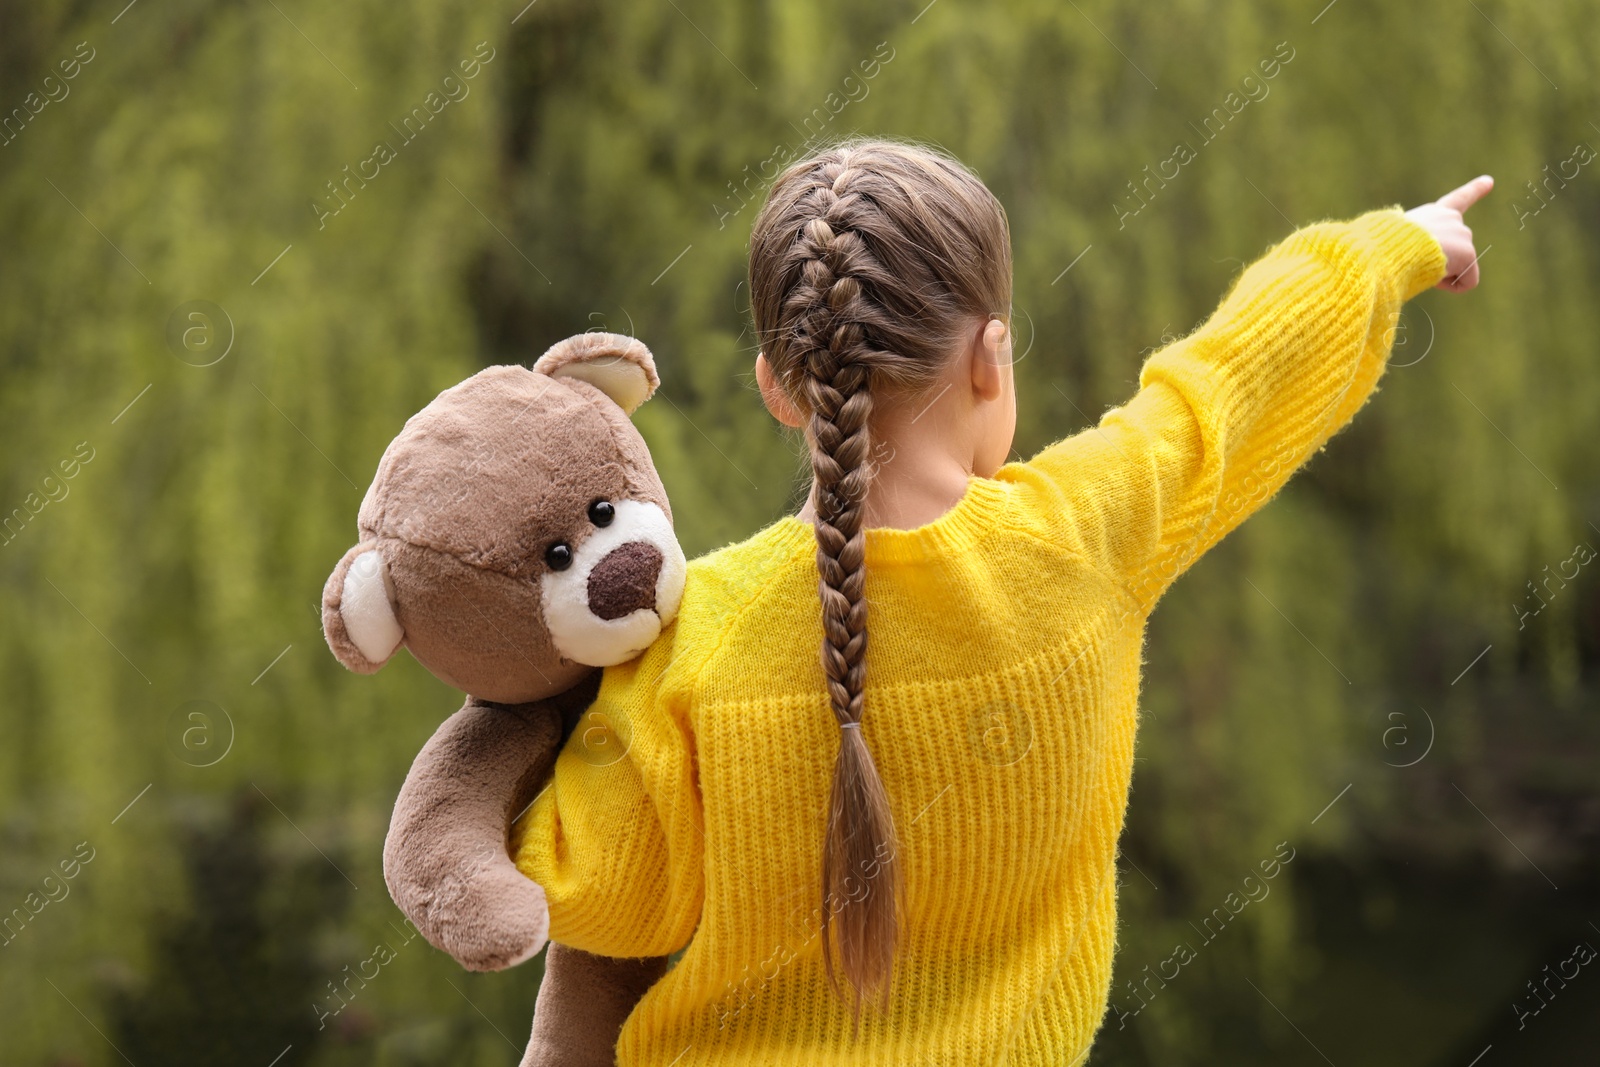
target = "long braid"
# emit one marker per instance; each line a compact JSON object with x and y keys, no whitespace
{"x":860,"y":875}
{"x":869,"y":265}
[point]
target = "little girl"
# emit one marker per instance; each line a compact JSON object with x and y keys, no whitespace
{"x":907,"y":856}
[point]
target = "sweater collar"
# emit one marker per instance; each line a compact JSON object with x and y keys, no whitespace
{"x":956,"y":531}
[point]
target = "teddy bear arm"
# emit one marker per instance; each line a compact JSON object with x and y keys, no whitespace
{"x":445,"y":859}
{"x":583,"y":1001}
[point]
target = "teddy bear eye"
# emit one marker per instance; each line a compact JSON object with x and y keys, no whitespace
{"x":558,"y":556}
{"x":601,"y":513}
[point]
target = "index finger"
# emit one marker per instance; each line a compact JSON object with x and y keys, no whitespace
{"x":1468,"y":194}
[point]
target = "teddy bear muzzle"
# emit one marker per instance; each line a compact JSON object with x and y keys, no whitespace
{"x":625,"y":580}
{"x":622,"y":588}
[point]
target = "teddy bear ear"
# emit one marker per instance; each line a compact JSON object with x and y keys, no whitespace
{"x":358,"y":610}
{"x":617,"y":365}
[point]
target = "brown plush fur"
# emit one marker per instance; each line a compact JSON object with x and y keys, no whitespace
{"x":580,"y":1016}
{"x":464,"y":505}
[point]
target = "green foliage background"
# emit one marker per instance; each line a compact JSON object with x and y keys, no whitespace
{"x":598,"y":174}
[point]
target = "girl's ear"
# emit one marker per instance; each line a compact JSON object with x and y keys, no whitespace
{"x":772,"y":395}
{"x":989,"y":359}
{"x":619,"y":366}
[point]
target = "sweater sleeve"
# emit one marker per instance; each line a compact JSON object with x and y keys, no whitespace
{"x":1224,"y":416}
{"x":615,"y":840}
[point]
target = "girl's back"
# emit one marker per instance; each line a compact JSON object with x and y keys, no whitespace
{"x":1002,"y":703}
{"x":709,"y":784}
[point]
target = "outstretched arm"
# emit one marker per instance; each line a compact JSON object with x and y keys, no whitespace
{"x":1224,"y":416}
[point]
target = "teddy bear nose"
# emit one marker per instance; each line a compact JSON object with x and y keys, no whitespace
{"x":625,"y":580}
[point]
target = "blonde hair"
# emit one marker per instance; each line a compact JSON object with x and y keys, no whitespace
{"x":870,"y":265}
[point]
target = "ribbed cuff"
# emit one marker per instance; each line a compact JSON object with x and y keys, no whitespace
{"x":1403,"y":248}
{"x":1382,"y":241}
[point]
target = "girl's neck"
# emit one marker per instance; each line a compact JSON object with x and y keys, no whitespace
{"x":926,"y":447}
{"x":904,"y":506}
{"x":913,"y":483}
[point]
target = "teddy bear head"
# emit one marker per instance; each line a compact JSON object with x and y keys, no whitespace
{"x":516,"y":535}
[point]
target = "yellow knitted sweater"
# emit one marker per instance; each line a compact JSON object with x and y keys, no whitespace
{"x":1001,"y":704}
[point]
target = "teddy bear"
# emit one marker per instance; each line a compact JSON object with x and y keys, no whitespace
{"x":515,"y":539}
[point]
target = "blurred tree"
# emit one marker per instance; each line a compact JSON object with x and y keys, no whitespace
{"x":236,"y":971}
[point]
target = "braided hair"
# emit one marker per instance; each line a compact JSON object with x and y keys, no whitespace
{"x":870,"y":266}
